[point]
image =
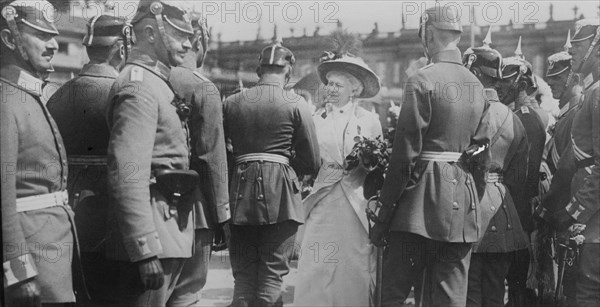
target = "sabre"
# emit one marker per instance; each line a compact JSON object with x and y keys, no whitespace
{"x":373,"y":219}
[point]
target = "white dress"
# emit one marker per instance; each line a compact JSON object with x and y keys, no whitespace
{"x":337,"y":261}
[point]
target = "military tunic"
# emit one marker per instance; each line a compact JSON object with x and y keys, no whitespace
{"x":79,"y":109}
{"x":437,"y":201}
{"x":34,"y":164}
{"x":266,"y":207}
{"x":209,"y":159}
{"x":506,"y":175}
{"x":146,"y":134}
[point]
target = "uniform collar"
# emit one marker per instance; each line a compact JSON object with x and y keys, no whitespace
{"x":573,"y":103}
{"x":491,"y":94}
{"x":160,"y":69}
{"x":448,"y":56}
{"x":22,"y":79}
{"x":588,"y":81}
{"x":99,"y":70}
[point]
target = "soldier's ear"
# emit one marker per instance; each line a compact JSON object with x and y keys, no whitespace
{"x":150,"y":33}
{"x":7,"y":39}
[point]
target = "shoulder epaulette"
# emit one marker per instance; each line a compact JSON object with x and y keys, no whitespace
{"x":427,"y":66}
{"x":137,"y":74}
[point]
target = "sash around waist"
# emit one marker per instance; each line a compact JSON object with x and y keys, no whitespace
{"x":443,"y":156}
{"x":36,"y":202}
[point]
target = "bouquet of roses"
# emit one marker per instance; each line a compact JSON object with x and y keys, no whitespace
{"x":374,"y":155}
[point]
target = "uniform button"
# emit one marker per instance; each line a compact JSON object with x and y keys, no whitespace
{"x":65,"y":178}
{"x":59,"y":146}
{"x":509,"y":226}
{"x":504,"y":206}
{"x":468,"y":181}
{"x":454,"y":181}
{"x":259,"y":178}
{"x":240,"y":195}
{"x":260,"y":197}
{"x":493,"y":208}
{"x":243,"y":178}
{"x":493,"y":228}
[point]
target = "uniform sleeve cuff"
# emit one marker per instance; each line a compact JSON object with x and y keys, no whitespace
{"x":143,"y":247}
{"x":223,"y":213}
{"x":19,"y":269}
{"x":577,"y":211}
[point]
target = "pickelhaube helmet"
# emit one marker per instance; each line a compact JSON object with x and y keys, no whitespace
{"x":440,"y":17}
{"x":277,"y":55}
{"x":38,"y":15}
{"x":585,"y":29}
{"x":105,"y":30}
{"x":488,"y":60}
{"x":200,"y":27}
{"x":164,"y":10}
{"x":558,"y":63}
{"x":519,"y":67}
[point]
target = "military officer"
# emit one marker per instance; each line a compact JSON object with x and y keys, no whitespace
{"x":584,"y":204}
{"x":437,"y":217}
{"x":505,"y":177}
{"x":209,"y":159}
{"x":565,"y":87}
{"x":517,"y":81}
{"x":78,"y":108}
{"x":38,"y":242}
{"x":274,"y":142}
{"x":150,"y":186}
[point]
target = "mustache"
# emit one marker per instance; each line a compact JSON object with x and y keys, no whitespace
{"x":48,"y":52}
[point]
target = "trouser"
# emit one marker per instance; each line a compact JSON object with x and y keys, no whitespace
{"x":195,"y":270}
{"x":518,"y":294}
{"x":588,"y":280}
{"x":486,"y":279}
{"x":259,"y":258}
{"x":437,"y":270}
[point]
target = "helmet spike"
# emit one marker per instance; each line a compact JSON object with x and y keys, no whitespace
{"x":488,"y":38}
{"x":518,"y":52}
{"x":567,"y":45}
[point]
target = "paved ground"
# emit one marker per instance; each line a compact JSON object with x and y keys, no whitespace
{"x":219,"y":287}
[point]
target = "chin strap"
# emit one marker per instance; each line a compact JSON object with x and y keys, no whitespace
{"x":567,"y":84}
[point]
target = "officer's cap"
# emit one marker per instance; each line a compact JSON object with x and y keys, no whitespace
{"x":39,"y":15}
{"x":444,"y":17}
{"x":105,"y":30}
{"x":585,"y":29}
{"x":277,"y":55}
{"x":558,"y":63}
{"x":171,"y":11}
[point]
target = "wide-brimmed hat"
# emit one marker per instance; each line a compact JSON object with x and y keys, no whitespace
{"x":357,"y":68}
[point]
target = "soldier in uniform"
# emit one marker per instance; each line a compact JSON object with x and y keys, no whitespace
{"x":566,"y":88}
{"x":429,"y":199}
{"x":38,"y":243}
{"x":508,"y":148}
{"x":556,"y":191}
{"x":151,"y":189}
{"x":274,"y":141}
{"x":78,"y":108}
{"x":517,"y":81}
{"x":209,"y":159}
{"x":584,"y":204}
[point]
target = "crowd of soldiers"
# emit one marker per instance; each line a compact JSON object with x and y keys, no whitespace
{"x":117,"y":190}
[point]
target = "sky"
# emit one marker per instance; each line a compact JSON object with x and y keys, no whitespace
{"x":241,"y":20}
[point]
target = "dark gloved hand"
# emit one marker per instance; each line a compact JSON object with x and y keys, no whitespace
{"x":561,"y":220}
{"x":378,"y":234}
{"x":151,"y":273}
{"x":221,"y":238}
{"x":26,"y":293}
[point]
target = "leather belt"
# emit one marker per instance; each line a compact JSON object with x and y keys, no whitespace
{"x":494,"y":177}
{"x":84,"y":160}
{"x":443,"y":156}
{"x":262,"y":157}
{"x":43,"y":201}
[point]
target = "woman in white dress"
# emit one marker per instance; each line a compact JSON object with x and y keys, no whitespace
{"x":337,"y":261}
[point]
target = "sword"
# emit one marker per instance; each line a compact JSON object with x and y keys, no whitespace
{"x":372,"y":217}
